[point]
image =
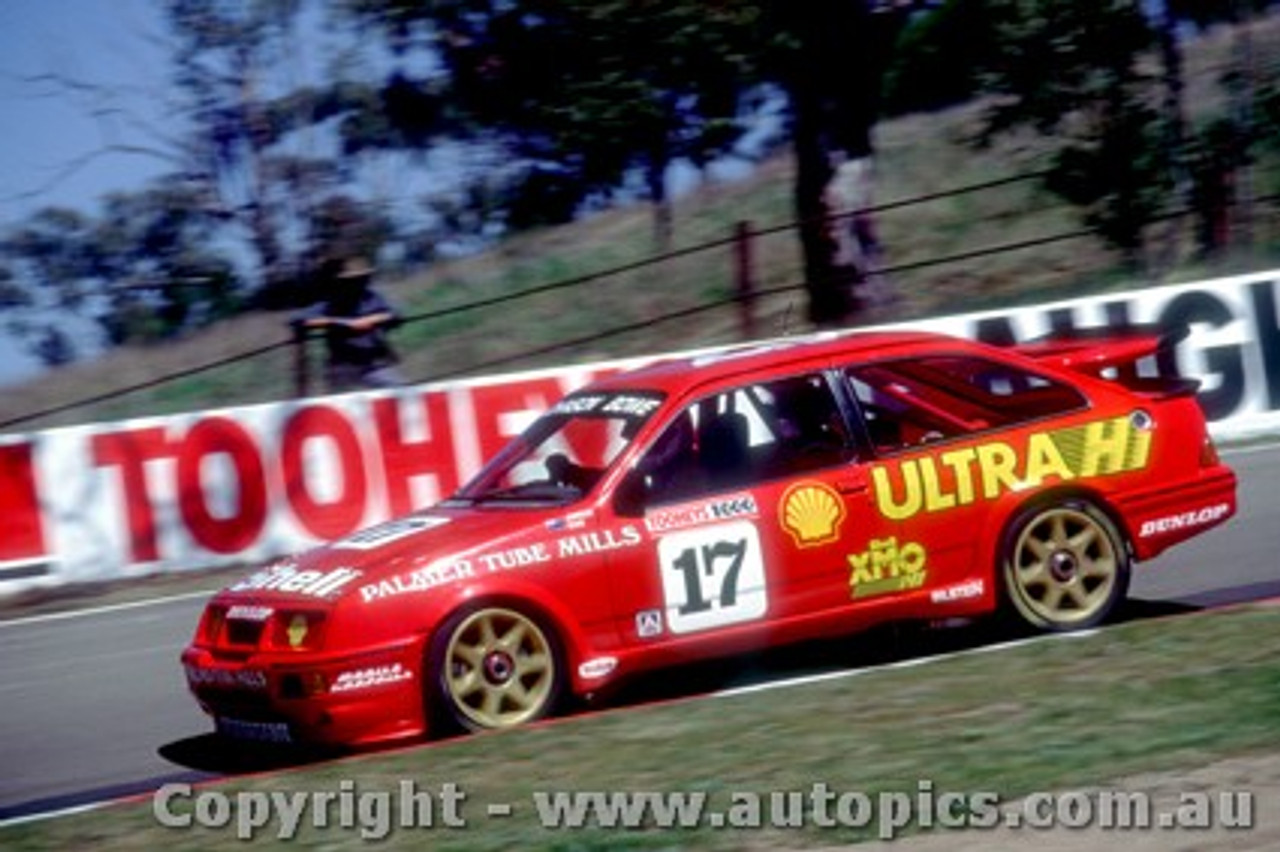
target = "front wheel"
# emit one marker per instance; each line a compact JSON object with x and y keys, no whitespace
{"x":496,"y":668}
{"x":1064,"y":566}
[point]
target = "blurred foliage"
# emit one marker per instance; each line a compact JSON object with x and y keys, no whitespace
{"x":938,"y":60}
{"x":1082,"y":74}
{"x":1204,"y":13}
{"x":582,"y":102}
{"x":584,"y":92}
{"x":830,"y":59}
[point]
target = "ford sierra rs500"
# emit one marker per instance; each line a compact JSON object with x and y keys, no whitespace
{"x":708,"y":506}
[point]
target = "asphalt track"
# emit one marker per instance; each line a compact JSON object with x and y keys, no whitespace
{"x":95,"y":706}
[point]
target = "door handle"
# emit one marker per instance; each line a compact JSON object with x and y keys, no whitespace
{"x":851,"y":486}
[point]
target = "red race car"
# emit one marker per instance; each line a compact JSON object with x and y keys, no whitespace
{"x":723,"y":504}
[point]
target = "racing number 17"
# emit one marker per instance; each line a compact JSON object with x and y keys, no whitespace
{"x":712,"y":576}
{"x":689,"y":564}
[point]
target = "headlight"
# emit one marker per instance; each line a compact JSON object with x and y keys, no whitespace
{"x":298,"y":630}
{"x":211,"y":624}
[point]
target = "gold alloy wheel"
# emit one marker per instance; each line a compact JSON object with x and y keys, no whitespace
{"x":1065,"y":568}
{"x":499,"y":669}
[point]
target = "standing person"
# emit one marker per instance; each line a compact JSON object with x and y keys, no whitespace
{"x":355,"y":319}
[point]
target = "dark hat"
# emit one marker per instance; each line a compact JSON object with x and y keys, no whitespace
{"x":355,"y":267}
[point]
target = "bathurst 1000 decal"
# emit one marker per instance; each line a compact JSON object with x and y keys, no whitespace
{"x":698,"y":512}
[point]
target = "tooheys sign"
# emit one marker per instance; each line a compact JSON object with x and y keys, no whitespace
{"x":216,"y":487}
{"x":219,"y":487}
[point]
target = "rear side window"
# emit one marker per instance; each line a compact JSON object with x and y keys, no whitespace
{"x":910,"y":402}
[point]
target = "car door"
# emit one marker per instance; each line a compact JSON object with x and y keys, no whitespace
{"x":748,"y":500}
{"x":942,"y":429}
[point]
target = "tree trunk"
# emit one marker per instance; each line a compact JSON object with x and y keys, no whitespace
{"x":275,"y":283}
{"x":656,"y":176}
{"x":833,"y":79}
{"x":1175,"y":140}
{"x":829,"y":302}
{"x":1244,"y":98}
{"x":662,"y":215}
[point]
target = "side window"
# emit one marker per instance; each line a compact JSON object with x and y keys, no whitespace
{"x":749,"y":434}
{"x":669,"y":467}
{"x":911,"y":402}
{"x":810,"y":431}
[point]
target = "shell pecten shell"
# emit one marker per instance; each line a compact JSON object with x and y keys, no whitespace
{"x":812,"y":513}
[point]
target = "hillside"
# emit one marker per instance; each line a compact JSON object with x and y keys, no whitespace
{"x":918,"y":156}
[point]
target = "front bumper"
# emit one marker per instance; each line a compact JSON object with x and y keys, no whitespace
{"x":361,"y":698}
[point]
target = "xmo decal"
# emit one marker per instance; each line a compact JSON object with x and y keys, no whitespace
{"x":887,"y":567}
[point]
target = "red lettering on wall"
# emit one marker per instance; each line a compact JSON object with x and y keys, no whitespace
{"x":238,"y":531}
{"x":130,"y":451}
{"x":21,"y":530}
{"x":401,"y":460}
{"x":342,"y":515}
{"x":588,"y":443}
{"x":494,"y":402}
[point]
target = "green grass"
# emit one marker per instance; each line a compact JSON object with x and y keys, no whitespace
{"x":1167,"y":694}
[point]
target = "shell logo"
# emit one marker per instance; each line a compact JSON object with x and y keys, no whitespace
{"x":812,"y":513}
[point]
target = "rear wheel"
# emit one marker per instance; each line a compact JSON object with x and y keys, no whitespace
{"x":496,"y":668}
{"x":1064,"y":566}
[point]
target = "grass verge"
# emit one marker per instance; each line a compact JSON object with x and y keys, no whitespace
{"x":1145,"y":696}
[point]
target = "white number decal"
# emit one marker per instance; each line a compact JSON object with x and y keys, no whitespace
{"x":712,"y":576}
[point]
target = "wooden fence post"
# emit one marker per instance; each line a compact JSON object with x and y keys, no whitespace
{"x":301,"y":379}
{"x":744,"y":274}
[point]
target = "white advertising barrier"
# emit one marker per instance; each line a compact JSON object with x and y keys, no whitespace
{"x":199,"y":490}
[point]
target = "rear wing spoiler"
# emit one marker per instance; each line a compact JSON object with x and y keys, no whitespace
{"x":1139,"y":357}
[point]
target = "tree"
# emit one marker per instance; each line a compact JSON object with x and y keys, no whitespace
{"x":50,"y":277}
{"x":831,"y":58}
{"x":12,"y":294}
{"x":142,"y":270}
{"x":54,"y":348}
{"x":1209,"y":159}
{"x":938,"y":59}
{"x":589,"y":92}
{"x":232,"y":66}
{"x":586,"y":92}
{"x":161,"y":275}
{"x":50,"y":253}
{"x":264,"y":157}
{"x":1075,"y":71}
{"x":1205,"y":13}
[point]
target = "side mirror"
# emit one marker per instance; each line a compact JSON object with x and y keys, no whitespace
{"x":630,"y":496}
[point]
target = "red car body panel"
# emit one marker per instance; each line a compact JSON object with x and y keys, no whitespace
{"x":334,"y":645}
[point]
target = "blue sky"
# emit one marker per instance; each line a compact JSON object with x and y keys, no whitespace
{"x":46,"y":130}
{"x":107,"y":43}
{"x":54,"y":151}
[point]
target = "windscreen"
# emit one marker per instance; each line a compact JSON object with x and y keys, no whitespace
{"x":566,"y":451}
